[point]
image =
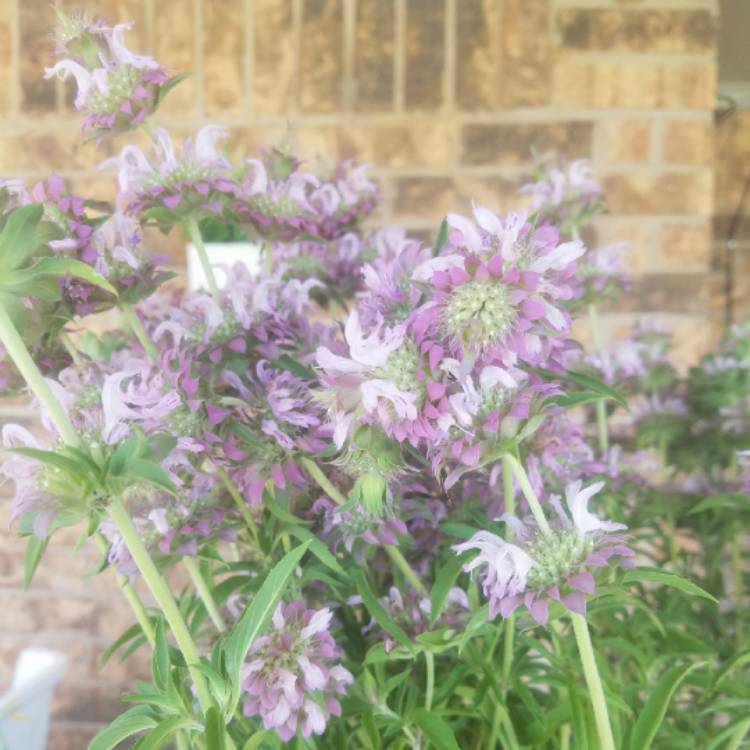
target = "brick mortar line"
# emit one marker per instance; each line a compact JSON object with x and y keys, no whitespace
{"x":248,"y":63}
{"x":575,"y":54}
{"x":399,"y":56}
{"x":649,"y":5}
{"x":550,"y":114}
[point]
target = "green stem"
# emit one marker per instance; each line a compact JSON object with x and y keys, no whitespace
{"x":194,"y":232}
{"x":18,"y":352}
{"x":523,"y":481}
{"x":335,"y":494}
{"x":205,"y":593}
{"x":509,"y":626}
{"x":429,"y":660}
{"x":131,"y":316}
{"x":160,"y":590}
{"x":131,"y":595}
{"x":601,"y":406}
{"x":70,"y":347}
{"x":739,"y":596}
{"x":401,"y":563}
{"x":593,"y":682}
{"x":736,"y":739}
{"x":239,"y":501}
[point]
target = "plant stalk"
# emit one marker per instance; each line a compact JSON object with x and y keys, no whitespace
{"x":239,"y":501}
{"x":593,"y":682}
{"x":739,"y":594}
{"x":335,"y":494}
{"x":523,"y":480}
{"x":205,"y":593}
{"x":160,"y":590}
{"x":131,"y":595}
{"x":429,"y":660}
{"x":194,"y":232}
{"x":18,"y":352}
{"x":134,"y":322}
{"x":509,"y":626}
{"x":602,"y":430}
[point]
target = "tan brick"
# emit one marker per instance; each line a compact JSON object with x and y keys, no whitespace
{"x":274,"y":66}
{"x":684,"y":293}
{"x":316,"y":143}
{"x":527,"y":53}
{"x":433,"y":197}
{"x":689,"y":142}
{"x":175,"y":48}
{"x":637,"y":30}
{"x":425,"y":55}
{"x":640,"y":236}
{"x":476,"y":53}
{"x":223,"y":55}
{"x":5,"y":51}
{"x":626,"y":141}
{"x":321,"y":63}
{"x":374,"y":56}
{"x":36,"y":21}
{"x":686,"y":246}
{"x":666,"y":192}
{"x":516,"y":144}
{"x":398,"y":146}
{"x":691,"y":85}
{"x":87,"y":702}
{"x":64,"y":736}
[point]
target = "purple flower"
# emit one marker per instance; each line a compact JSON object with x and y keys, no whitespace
{"x":292,"y":677}
{"x":196,"y":182}
{"x":545,"y":567}
{"x":117,"y":89}
{"x":496,"y":294}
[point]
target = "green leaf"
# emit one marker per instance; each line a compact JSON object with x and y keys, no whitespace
{"x":376,"y":609}
{"x":588,"y":383}
{"x":169,"y":84}
{"x":442,"y":237}
{"x":656,"y":575}
{"x":25,"y":282}
{"x":444,"y":581}
{"x":437,"y":730}
{"x":653,"y":712}
{"x":35,"y":549}
{"x":160,"y":666}
{"x":148,"y":471}
{"x":126,"y":725}
{"x":254,"y":742}
{"x":20,"y":237}
{"x":285,"y":362}
{"x":258,"y":613}
{"x":731,"y":501}
{"x":132,"y":632}
{"x":215,"y":734}
{"x":58,"y":461}
{"x":163,"y":732}
{"x":318,"y":549}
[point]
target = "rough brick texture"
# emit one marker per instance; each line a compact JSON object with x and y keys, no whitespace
{"x":448,"y":98}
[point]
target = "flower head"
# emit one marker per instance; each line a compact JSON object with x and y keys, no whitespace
{"x":541,"y":567}
{"x":292,"y":677}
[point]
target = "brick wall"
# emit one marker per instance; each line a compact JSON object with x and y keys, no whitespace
{"x":448,"y":98}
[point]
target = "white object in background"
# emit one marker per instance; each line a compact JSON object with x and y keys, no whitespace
{"x":24,"y":711}
{"x":221,"y":254}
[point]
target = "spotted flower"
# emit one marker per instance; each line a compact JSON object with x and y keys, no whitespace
{"x":538,"y":568}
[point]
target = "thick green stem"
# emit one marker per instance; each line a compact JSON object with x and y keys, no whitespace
{"x":194,"y":232}
{"x":160,"y":590}
{"x":131,"y":316}
{"x":523,"y":482}
{"x":131,"y":595}
{"x":239,"y":501}
{"x":593,"y":682}
{"x":205,"y":593}
{"x":739,"y":595}
{"x":335,"y":494}
{"x":601,"y":406}
{"x":18,"y":352}
{"x":429,"y":660}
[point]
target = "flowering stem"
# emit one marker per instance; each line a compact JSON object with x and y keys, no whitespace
{"x":601,"y":406}
{"x":131,"y":316}
{"x":194,"y":232}
{"x":523,"y":481}
{"x":393,"y":552}
{"x":509,"y":624}
{"x":131,"y":595}
{"x":18,"y":352}
{"x":70,"y":347}
{"x":593,"y":681}
{"x":205,"y":593}
{"x":160,"y":590}
{"x":239,"y":501}
{"x":429,"y":660}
